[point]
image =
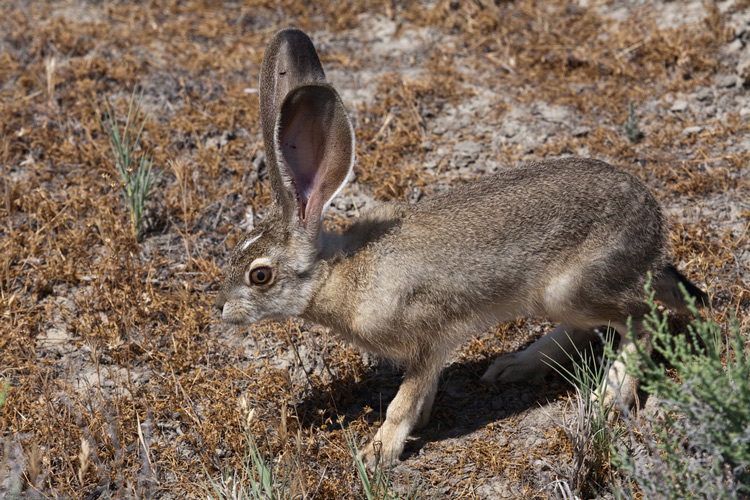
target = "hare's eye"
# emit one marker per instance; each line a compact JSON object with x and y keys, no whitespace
{"x":261,"y":275}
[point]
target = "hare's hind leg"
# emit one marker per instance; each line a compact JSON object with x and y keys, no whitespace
{"x":411,"y":406}
{"x":536,"y":361}
{"x":429,"y":400}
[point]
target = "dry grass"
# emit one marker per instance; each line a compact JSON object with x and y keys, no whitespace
{"x":122,"y":377}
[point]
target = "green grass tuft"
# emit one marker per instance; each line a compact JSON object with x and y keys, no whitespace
{"x":264,"y":477}
{"x":632,"y":131}
{"x":588,"y":429}
{"x":4,"y":394}
{"x":136,"y":177}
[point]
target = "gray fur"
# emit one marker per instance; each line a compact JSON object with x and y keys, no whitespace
{"x":572,"y":240}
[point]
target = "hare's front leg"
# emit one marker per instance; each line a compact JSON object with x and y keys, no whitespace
{"x":410,"y":407}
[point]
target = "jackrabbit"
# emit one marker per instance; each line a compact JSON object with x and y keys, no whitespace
{"x":570,"y":239}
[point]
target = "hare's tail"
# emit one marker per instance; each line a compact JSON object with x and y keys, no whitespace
{"x":666,"y":285}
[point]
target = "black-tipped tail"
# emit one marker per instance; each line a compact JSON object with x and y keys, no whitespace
{"x":666,"y":286}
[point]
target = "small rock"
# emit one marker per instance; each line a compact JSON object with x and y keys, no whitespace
{"x":581,"y":131}
{"x":704,"y":94}
{"x":692,"y":130}
{"x":726,"y":81}
{"x":554,"y":114}
{"x":679,"y":105}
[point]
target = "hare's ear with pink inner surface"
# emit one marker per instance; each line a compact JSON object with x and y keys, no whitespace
{"x":315,"y":141}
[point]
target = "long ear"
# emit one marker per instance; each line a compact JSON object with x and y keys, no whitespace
{"x":315,"y":141}
{"x":290,"y":60}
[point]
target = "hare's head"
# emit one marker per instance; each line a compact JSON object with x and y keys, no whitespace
{"x":309,"y":142}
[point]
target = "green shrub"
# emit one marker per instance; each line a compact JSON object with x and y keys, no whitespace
{"x":700,"y":446}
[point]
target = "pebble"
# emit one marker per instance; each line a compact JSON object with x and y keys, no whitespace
{"x":679,"y":105}
{"x":704,"y":94}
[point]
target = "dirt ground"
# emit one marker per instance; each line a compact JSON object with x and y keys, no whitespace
{"x":122,"y":379}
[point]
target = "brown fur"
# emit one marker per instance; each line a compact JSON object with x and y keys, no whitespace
{"x":571,"y":239}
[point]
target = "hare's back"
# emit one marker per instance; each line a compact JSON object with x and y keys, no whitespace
{"x":523,"y":223}
{"x":538,"y":203}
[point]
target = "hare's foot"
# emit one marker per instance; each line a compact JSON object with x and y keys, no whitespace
{"x":516,"y":367}
{"x":536,"y":361}
{"x":387,"y":445}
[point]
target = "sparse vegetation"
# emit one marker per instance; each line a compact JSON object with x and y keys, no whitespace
{"x":117,"y":343}
{"x":696,"y":446}
{"x":261,"y":477}
{"x":376,"y":484}
{"x":265,"y":477}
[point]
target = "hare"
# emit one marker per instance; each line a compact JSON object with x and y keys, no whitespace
{"x":572,"y":240}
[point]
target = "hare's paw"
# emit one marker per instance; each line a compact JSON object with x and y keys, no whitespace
{"x":516,"y":367}
{"x":385,"y":448}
